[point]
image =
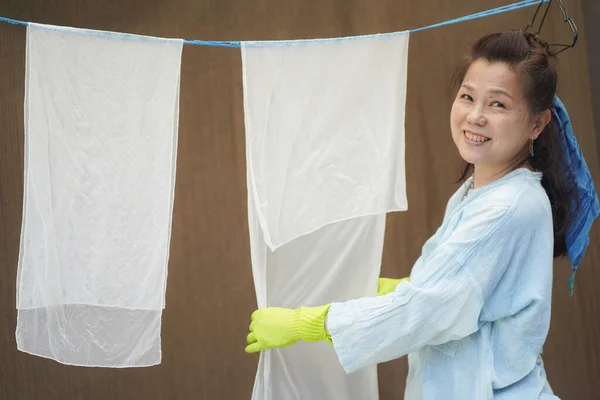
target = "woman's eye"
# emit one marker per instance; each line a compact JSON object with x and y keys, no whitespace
{"x":466,"y":97}
{"x":497,"y":104}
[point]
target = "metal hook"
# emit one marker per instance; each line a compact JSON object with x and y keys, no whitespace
{"x":566,"y":18}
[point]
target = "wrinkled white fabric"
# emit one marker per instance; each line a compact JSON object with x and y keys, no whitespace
{"x":101,"y":119}
{"x":325,"y":163}
{"x":325,"y":129}
{"x":338,"y":262}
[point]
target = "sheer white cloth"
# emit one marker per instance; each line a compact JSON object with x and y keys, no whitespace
{"x":101,"y":120}
{"x":325,"y":163}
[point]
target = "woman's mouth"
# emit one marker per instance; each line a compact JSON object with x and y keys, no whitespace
{"x":474,"y":138}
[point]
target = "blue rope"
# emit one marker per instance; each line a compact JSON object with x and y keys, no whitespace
{"x":13,"y":21}
{"x":498,"y":10}
{"x":213,"y":43}
{"x":494,"y":11}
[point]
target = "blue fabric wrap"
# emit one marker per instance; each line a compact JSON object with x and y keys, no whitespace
{"x":577,"y":237}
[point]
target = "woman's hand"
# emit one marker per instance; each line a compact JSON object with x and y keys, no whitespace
{"x":275,"y":327}
{"x":388,"y":285}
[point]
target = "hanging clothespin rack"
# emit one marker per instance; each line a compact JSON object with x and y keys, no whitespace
{"x":566,"y":18}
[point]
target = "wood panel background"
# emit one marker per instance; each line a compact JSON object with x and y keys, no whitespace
{"x":591,"y":16}
{"x":210,"y":292}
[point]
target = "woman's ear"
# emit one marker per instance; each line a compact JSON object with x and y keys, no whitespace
{"x":541,"y":121}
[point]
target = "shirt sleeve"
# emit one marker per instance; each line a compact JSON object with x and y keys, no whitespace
{"x":442,"y":303}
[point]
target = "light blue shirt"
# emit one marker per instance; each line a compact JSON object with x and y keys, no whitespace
{"x":475,"y":315}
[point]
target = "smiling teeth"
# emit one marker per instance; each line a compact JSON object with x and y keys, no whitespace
{"x":475,"y":138}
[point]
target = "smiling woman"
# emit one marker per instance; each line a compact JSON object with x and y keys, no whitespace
{"x":475,"y":314}
{"x":491,"y":123}
{"x":501,"y":118}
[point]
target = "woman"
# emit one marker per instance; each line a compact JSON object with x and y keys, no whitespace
{"x":475,"y":313}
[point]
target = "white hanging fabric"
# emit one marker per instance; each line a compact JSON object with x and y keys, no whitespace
{"x":325,"y":127}
{"x":325,"y":163}
{"x":101,"y":120}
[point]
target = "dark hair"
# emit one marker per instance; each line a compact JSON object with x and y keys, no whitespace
{"x":531,"y":57}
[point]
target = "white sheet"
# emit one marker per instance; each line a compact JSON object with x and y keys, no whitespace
{"x":325,"y":163}
{"x":325,"y":129}
{"x":101,"y":119}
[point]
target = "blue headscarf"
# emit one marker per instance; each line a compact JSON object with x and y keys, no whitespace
{"x":577,"y":237}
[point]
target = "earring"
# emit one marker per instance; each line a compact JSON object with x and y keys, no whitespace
{"x":531,"y":149}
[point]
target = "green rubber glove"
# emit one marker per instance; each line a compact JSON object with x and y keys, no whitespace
{"x":275,"y":327}
{"x":388,"y":285}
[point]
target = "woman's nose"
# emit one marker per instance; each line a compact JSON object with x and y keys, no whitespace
{"x":476,"y":116}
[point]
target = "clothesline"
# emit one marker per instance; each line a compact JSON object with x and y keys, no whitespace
{"x":237,"y":44}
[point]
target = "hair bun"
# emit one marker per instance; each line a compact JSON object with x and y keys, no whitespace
{"x":537,"y":42}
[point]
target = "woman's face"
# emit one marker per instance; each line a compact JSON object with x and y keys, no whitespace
{"x":490,"y":119}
